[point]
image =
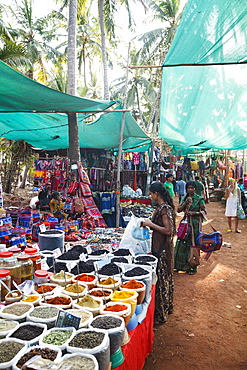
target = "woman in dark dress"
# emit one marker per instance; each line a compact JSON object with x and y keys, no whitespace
{"x":163,"y":226}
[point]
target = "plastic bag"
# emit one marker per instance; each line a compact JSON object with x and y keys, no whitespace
{"x":128,"y":241}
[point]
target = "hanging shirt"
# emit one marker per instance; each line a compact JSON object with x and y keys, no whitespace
{"x":181,"y":186}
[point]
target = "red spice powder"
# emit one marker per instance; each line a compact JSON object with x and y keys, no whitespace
{"x":58,"y":300}
{"x":85,"y":277}
{"x":116,"y":308}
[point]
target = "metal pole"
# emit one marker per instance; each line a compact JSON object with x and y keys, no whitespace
{"x":118,"y":186}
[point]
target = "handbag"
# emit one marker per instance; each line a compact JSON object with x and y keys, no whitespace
{"x":194,"y":253}
{"x":240,"y":212}
{"x":184,"y":229}
{"x":209,"y":242}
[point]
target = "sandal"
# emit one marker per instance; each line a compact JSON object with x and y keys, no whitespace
{"x":229,"y":231}
{"x":238,"y":231}
{"x":181,"y":272}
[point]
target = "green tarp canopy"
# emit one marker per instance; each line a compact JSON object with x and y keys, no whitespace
{"x":205,"y":106}
{"x":36,"y":114}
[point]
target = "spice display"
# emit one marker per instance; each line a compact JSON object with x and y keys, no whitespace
{"x":87,"y":339}
{"x":122,"y":252}
{"x":31,"y":298}
{"x":57,"y":337}
{"x":58,"y":301}
{"x":136,"y":271}
{"x":110,"y":269}
{"x":88,"y":301}
{"x":106,"y":322}
{"x":82,"y":314}
{"x":6,"y":325}
{"x":78,"y":363}
{"x":17,"y":309}
{"x":60,"y":275}
{"x":100,"y":293}
{"x":10,"y":295}
{"x":119,"y":260}
{"x":123,"y":294}
{"x":116,"y":308}
{"x":83,"y":267}
{"x":46,"y":353}
{"x":58,"y":266}
{"x":44,"y":312}
{"x":132,"y":284}
{"x":98,"y":252}
{"x":73,"y":254}
{"x":108,"y":281}
{"x":75,"y":288}
{"x":145,"y":258}
{"x":45,"y":289}
{"x":8,"y":350}
{"x":27,"y":332}
{"x":85,"y":277}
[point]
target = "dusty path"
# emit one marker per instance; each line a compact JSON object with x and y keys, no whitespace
{"x":208,"y":329}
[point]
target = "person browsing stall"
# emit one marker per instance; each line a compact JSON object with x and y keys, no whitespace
{"x":169,"y":185}
{"x":191,"y":204}
{"x":233,"y":196}
{"x":163,"y":226}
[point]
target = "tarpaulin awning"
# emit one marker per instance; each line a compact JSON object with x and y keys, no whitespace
{"x":22,"y":100}
{"x":206,"y":106}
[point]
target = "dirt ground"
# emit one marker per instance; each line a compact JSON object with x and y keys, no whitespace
{"x":208,"y":329}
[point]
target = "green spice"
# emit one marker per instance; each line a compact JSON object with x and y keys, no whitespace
{"x":6,"y":325}
{"x":8,"y":350}
{"x":78,"y":363}
{"x":44,"y":312}
{"x":57,"y":337}
{"x":17,"y":309}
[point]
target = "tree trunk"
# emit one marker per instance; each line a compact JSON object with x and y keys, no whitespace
{"x":103,"y":48}
{"x":74,"y":149}
{"x":23,"y":183}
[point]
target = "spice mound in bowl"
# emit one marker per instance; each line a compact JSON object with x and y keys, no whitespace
{"x":78,"y":362}
{"x":9,"y":349}
{"x":44,"y":312}
{"x":57,"y":301}
{"x":27,"y":332}
{"x":45,"y":288}
{"x":88,"y":339}
{"x":46,"y":353}
{"x":57,"y":337}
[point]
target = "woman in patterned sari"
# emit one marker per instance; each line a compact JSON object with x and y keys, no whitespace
{"x":192,"y":204}
{"x":163,"y":226}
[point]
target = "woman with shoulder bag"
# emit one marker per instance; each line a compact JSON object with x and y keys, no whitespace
{"x":163,"y":226}
{"x":233,"y":198}
{"x":192,"y":204}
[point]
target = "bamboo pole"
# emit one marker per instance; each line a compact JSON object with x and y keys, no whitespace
{"x":118,"y":186}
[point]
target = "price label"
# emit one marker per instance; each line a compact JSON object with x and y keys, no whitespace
{"x":57,"y":252}
{"x":83,"y":257}
{"x":66,"y":319}
{"x":42,"y":228}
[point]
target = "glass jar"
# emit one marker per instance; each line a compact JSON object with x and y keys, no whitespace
{"x":35,"y":257}
{"x":40,"y":277}
{"x":15,"y":250}
{"x":5,"y":277}
{"x":3,"y":255}
{"x":11,"y":264}
{"x":26,"y":267}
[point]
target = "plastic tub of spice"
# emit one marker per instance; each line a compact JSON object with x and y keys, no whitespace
{"x":85,"y":316}
{"x":45,"y":289}
{"x":126,"y":296}
{"x":61,"y":278}
{"x":33,"y":298}
{"x":29,"y":332}
{"x":16,"y":311}
{"x":9,"y":298}
{"x":115,"y":328}
{"x":109,"y":283}
{"x":119,"y":309}
{"x":140,"y":274}
{"x":47,"y":353}
{"x":61,"y":301}
{"x":137,"y":286}
{"x":6,"y":326}
{"x":89,"y":303}
{"x":93,"y":342}
{"x":44,"y":314}
{"x":104,"y":294}
{"x":10,"y":349}
{"x":75,"y":289}
{"x":89,"y":279}
{"x":79,"y":361}
{"x":56,"y":338}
